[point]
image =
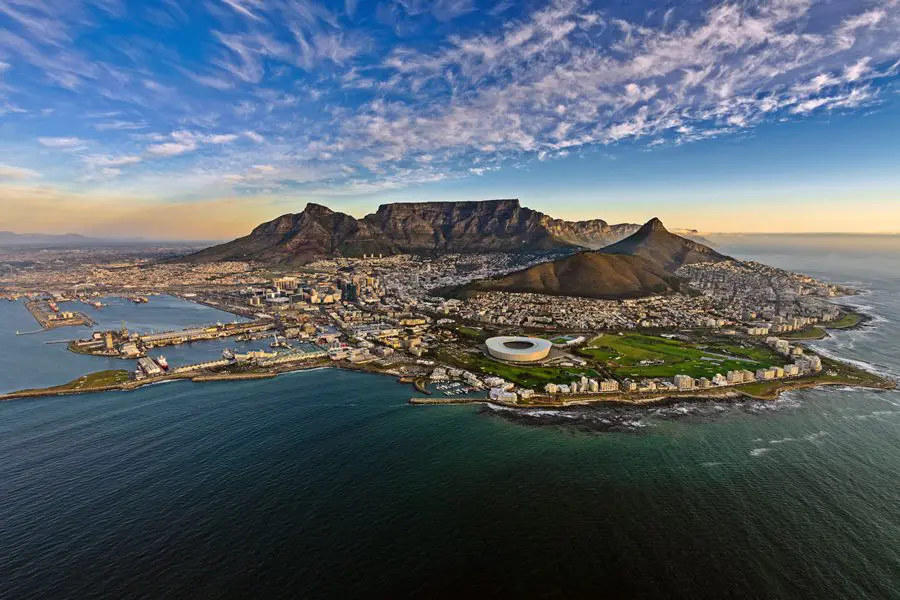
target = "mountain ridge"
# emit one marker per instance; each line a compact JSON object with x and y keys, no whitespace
{"x":502,"y":225}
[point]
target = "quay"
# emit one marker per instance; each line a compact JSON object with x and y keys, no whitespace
{"x":48,"y":315}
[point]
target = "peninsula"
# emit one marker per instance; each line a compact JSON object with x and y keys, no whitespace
{"x":626,"y":314}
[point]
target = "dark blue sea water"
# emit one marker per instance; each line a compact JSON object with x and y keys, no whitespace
{"x":326,"y":484}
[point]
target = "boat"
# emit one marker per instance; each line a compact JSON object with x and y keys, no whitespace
{"x":227,"y":354}
{"x":162,"y":362}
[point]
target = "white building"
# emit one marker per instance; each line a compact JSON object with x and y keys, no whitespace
{"x":684,"y":382}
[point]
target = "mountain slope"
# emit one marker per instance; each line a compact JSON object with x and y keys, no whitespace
{"x":297,"y":238}
{"x":586,"y":274}
{"x":656,"y":244}
{"x":642,"y":264}
{"x":421,"y":228}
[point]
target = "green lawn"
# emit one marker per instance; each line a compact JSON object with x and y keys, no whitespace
{"x":808,"y":333}
{"x":92,"y":381}
{"x":100,"y":379}
{"x":848,"y":320}
{"x":471,"y":332}
{"x":622,"y":354}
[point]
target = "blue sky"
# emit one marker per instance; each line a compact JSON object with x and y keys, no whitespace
{"x":116,"y":115}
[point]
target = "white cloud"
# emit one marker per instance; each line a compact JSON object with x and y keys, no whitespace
{"x":171,"y":148}
{"x":220,"y":138}
{"x":316,"y":86}
{"x":255,"y":137}
{"x":120,"y":125}
{"x":184,"y":141}
{"x":60,"y":142}
{"x":554,"y":81}
{"x":100,"y":160}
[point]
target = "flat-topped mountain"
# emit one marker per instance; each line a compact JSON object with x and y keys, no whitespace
{"x":642,"y":264}
{"x":655,"y":243}
{"x":491,"y":225}
{"x":421,"y":228}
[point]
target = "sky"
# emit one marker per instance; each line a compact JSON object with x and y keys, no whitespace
{"x":199,"y":120}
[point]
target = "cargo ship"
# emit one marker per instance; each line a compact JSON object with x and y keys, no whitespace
{"x":163,"y":363}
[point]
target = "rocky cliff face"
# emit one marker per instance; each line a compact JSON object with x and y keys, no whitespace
{"x":427,"y":227}
{"x":492,"y":225}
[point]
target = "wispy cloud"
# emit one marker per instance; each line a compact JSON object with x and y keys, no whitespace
{"x":101,"y":160}
{"x":341,"y":96}
{"x":255,"y":137}
{"x":60,"y":142}
{"x":8,"y":172}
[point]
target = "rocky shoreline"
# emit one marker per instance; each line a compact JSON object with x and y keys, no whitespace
{"x":655,"y":399}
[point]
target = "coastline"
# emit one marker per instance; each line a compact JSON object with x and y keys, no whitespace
{"x":771,"y":390}
{"x":776,"y":389}
{"x":647,"y":400}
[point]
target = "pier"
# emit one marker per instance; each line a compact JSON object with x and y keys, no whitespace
{"x":48,"y":315}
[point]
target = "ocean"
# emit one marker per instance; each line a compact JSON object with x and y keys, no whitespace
{"x":327,"y":484}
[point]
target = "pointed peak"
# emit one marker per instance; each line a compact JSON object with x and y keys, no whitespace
{"x":653,"y":224}
{"x":312,"y":207}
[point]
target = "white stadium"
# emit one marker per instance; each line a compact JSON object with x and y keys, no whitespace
{"x":518,"y":349}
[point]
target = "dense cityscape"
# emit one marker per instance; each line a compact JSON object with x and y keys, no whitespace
{"x":387,"y":314}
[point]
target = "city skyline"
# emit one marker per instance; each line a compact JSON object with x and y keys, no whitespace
{"x":123,"y":119}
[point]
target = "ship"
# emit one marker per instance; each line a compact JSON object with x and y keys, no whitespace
{"x":163,"y":363}
{"x":227,"y":354}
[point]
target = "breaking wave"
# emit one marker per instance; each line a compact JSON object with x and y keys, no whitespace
{"x":635,"y":418}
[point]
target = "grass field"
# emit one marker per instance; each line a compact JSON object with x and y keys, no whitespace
{"x":533,"y":377}
{"x":623,"y":354}
{"x":92,"y":381}
{"x":848,"y":320}
{"x":471,"y":332}
{"x":97,"y":380}
{"x":808,"y":333}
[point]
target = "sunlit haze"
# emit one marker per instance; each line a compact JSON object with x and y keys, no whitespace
{"x":200,"y":120}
